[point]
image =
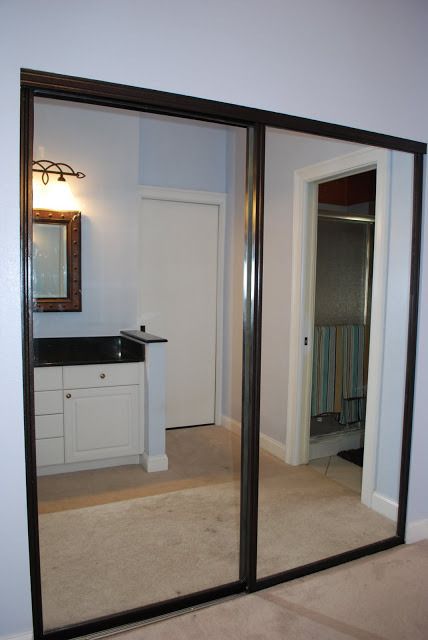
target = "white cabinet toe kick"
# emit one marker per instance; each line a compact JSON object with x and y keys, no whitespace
{"x":101,"y":415}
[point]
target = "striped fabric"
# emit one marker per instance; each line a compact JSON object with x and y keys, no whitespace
{"x":339,"y":374}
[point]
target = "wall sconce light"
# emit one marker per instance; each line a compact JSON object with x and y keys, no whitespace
{"x":57,"y":195}
{"x":46,"y":167}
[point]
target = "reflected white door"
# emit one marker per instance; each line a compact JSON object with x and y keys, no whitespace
{"x":178,"y":271}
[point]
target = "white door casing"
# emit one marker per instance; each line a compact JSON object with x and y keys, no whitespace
{"x":303,"y":303}
{"x":182,"y":235}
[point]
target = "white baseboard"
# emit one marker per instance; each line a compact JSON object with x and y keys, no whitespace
{"x":28,"y":635}
{"x":416,"y":531}
{"x":69,"y":467}
{"x":267,"y":443}
{"x":272,"y":446}
{"x":231,"y":424}
{"x":154,"y":463}
{"x":385,"y":506}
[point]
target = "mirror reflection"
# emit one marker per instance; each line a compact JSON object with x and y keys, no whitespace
{"x":49,"y":261}
{"x":334,"y":324}
{"x":138,"y":397}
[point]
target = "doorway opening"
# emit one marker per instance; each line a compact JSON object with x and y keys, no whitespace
{"x":342,"y":315}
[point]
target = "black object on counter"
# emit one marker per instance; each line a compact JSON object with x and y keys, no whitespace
{"x":50,"y":352}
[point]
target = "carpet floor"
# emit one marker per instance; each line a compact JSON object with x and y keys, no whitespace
{"x":380,"y":597}
{"x":197,"y":457}
{"x":109,"y":557}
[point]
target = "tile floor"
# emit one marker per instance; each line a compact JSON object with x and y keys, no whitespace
{"x":345,"y":473}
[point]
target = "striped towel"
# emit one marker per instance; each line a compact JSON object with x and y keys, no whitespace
{"x":339,"y":374}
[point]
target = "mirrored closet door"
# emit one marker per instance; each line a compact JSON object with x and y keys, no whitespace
{"x":220,"y":312}
{"x":337,"y":248}
{"x":138,"y":392}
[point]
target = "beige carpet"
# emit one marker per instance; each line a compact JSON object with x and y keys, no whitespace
{"x":381,"y":597}
{"x":197,"y":457}
{"x":117,"y":556}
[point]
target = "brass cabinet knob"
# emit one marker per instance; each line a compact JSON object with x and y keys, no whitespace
{"x":102,"y":376}
{"x":68,"y":395}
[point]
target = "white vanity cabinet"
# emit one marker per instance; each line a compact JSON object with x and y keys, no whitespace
{"x":49,"y":419}
{"x":101,"y":411}
{"x":88,"y":416}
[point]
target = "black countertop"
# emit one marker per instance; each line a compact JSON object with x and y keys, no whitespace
{"x":51,"y":352}
{"x":142,"y":336}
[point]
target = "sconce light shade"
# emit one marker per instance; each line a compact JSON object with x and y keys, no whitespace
{"x":55,"y":194}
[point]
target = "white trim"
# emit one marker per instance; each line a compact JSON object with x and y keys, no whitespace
{"x":231,"y":424}
{"x":69,"y":467}
{"x":219,"y":199}
{"x":181,"y":195}
{"x":267,"y":443}
{"x":154,"y":463}
{"x":303,"y":302}
{"x":272,"y":446}
{"x":416,"y":531}
{"x":377,"y":325}
{"x":385,"y":506}
{"x":27,"y":635}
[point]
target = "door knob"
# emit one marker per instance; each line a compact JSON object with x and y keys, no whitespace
{"x":102,"y":376}
{"x":68,"y":395}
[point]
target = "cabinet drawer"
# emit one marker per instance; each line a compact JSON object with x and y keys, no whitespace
{"x":98,"y":375}
{"x":50,"y":426}
{"x":46,"y":402}
{"x":50,"y":451}
{"x":47,"y":378}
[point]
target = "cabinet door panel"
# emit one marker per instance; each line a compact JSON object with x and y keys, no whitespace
{"x":100,"y":423}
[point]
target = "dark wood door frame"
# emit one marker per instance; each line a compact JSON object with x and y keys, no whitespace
{"x":255,"y":121}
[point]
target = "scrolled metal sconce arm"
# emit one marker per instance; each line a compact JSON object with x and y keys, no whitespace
{"x":46,"y":167}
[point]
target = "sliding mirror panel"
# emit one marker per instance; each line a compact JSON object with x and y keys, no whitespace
{"x":138,"y":394}
{"x":337,"y":251}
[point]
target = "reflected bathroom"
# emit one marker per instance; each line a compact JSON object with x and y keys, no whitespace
{"x":138,"y":386}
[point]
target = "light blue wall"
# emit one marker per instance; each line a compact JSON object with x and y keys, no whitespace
{"x":118,"y":150}
{"x":182,"y":154}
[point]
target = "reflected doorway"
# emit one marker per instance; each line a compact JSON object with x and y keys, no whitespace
{"x":305,"y":512}
{"x":341,"y":335}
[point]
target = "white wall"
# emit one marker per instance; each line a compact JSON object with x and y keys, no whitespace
{"x":395,"y":328}
{"x":182,"y":154}
{"x":104,"y":144}
{"x":118,"y":150}
{"x":234,"y":271}
{"x":302,"y":58}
